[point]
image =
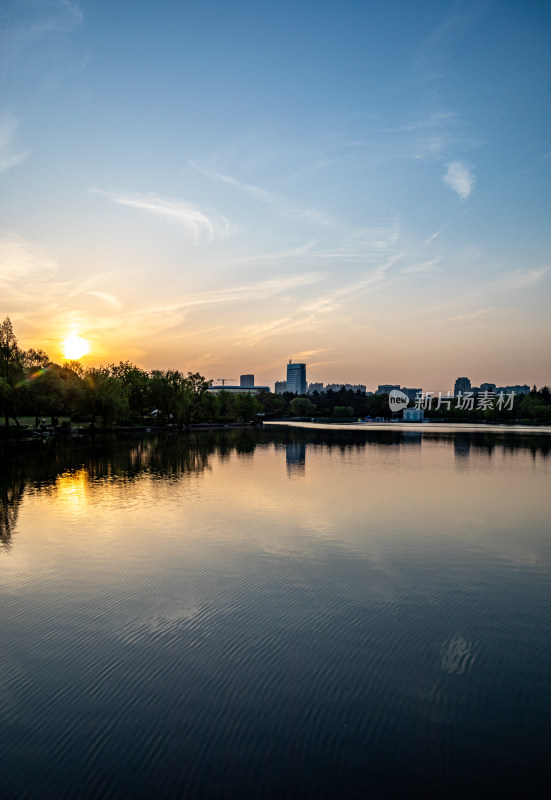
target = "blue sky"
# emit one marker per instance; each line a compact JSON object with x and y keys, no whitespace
{"x":215,"y":186}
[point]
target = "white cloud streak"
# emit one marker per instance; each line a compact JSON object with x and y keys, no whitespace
{"x":10,"y":156}
{"x":516,"y":280}
{"x":307,"y":313}
{"x":481,"y":312}
{"x":426,"y":266}
{"x":198,"y":225}
{"x":460,"y":177}
{"x":282,"y":206}
{"x":246,"y":293}
{"x":245,"y":188}
{"x":22,"y":261}
{"x":110,"y":299}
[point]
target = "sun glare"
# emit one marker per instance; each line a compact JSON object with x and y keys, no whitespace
{"x":75,"y":347}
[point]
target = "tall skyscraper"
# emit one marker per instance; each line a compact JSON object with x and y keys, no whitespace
{"x":296,"y":378}
{"x":246,"y":381}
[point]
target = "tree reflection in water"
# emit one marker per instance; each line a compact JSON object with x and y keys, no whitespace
{"x":31,"y":465}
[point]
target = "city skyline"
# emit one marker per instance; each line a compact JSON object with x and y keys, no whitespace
{"x":216,"y":189}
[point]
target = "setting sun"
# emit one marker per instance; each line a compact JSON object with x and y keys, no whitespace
{"x":75,"y":347}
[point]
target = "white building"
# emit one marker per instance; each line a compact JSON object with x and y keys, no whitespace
{"x":413,"y":415}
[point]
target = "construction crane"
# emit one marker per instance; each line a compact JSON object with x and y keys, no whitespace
{"x":225,"y":379}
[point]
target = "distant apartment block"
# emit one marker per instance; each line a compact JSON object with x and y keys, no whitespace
{"x":517,"y":389}
{"x":412,"y":393}
{"x":386,"y":388}
{"x":336,"y":387}
{"x":246,"y":381}
{"x":349,"y":387}
{"x":296,"y":378}
{"x":462,"y":385}
{"x":218,"y":388}
{"x":280,"y":387}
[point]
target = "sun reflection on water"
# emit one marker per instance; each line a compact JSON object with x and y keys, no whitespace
{"x":72,"y":490}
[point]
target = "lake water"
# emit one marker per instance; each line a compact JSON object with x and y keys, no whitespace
{"x":292,"y":612}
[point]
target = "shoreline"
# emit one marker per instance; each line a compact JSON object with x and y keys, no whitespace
{"x":419,"y":427}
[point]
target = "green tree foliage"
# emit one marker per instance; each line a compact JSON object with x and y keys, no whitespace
{"x":46,"y":393}
{"x":533,"y":407}
{"x":246,"y":407}
{"x":11,"y":369}
{"x":34,"y":359}
{"x":302,"y":407}
{"x":272,"y":404}
{"x":136,"y":384}
{"x":197,"y":386}
{"x":104,"y":395}
{"x":226,"y":402}
{"x":75,"y":367}
{"x":4,"y":393}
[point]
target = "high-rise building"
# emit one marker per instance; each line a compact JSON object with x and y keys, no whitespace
{"x":315,"y":387}
{"x":386,"y":388}
{"x":296,"y":378}
{"x":246,"y":381}
{"x":280,"y":387}
{"x":462,"y":385}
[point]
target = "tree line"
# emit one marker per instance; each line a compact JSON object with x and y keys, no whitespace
{"x":33,"y":386}
{"x":347,"y":405}
{"x":123,"y":393}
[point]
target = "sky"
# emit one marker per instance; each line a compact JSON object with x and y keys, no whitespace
{"x":219,"y":187}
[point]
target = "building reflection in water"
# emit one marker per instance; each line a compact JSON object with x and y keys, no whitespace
{"x":295,"y":457}
{"x":462,"y":451}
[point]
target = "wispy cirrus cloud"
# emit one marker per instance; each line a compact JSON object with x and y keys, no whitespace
{"x":435,"y":235}
{"x":28,"y":23}
{"x":434,"y":120}
{"x":281,"y":205}
{"x":260,"y":290}
{"x":480,"y":312}
{"x":307,"y":313}
{"x":10,"y":154}
{"x":110,"y":299}
{"x":22,"y":261}
{"x":425,"y":266}
{"x":515,"y":280}
{"x":460,"y":177}
{"x":241,"y":186}
{"x":198,"y":224}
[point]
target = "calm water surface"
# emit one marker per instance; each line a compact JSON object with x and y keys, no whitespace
{"x":288,"y":613}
